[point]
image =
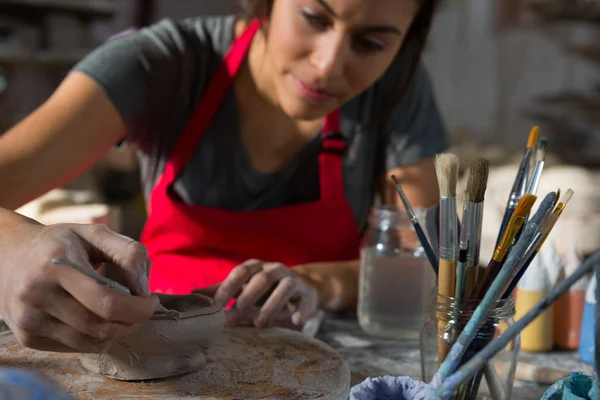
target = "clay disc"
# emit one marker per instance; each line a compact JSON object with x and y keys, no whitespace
{"x":244,"y":363}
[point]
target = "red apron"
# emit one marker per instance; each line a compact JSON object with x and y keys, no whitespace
{"x":193,"y":247}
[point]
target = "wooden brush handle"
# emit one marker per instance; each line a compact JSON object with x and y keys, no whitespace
{"x":489,"y":274}
{"x":446,"y":286}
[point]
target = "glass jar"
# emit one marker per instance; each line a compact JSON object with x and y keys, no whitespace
{"x":442,"y":325}
{"x":395,"y":277}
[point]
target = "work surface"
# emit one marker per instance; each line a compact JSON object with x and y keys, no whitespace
{"x":368,"y":356}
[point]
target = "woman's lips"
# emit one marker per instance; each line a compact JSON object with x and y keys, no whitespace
{"x":312,"y":92}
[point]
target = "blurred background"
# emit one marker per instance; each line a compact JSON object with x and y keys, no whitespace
{"x":498,"y":67}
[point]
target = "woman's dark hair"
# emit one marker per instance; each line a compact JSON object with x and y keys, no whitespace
{"x":409,"y":55}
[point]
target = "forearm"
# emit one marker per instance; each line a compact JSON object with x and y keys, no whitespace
{"x":336,"y":282}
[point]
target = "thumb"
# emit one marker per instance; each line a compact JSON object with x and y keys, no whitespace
{"x":128,"y":256}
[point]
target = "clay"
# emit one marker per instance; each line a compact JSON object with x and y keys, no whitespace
{"x":165,"y":346}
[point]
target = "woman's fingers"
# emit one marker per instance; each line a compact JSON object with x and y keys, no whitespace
{"x":64,"y":308}
{"x":234,"y":283}
{"x":259,"y":285}
{"x":283,"y":293}
{"x":107,"y":303}
{"x":307,"y":305}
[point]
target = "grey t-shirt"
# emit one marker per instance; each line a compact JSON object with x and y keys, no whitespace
{"x":156,"y":76}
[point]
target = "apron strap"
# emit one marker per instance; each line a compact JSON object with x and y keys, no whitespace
{"x":209,"y":104}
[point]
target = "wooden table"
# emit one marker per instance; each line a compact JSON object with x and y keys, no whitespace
{"x":368,"y":356}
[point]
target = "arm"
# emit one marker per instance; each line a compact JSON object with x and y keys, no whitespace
{"x":337,"y":283}
{"x":61,"y":139}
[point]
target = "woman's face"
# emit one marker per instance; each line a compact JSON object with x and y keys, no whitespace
{"x":324,"y":52}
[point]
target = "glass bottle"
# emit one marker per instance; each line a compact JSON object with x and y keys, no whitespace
{"x":395,"y":277}
{"x":442,"y":325}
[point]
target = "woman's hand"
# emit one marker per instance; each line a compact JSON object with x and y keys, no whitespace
{"x":283,"y":291}
{"x":56,"y":308}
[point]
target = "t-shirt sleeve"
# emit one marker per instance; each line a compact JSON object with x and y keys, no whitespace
{"x":415,"y":129}
{"x":146,"y":75}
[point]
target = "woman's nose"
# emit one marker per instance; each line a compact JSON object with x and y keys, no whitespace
{"x":329,"y":56}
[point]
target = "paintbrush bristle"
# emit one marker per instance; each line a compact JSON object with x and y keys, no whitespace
{"x":525,"y":205}
{"x":548,"y":223}
{"x":446,"y":166}
{"x":478,"y":178}
{"x":568,"y":196}
{"x":542,"y":150}
{"x":533,"y":137}
{"x":557,"y":197}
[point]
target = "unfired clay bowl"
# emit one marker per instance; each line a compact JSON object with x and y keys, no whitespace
{"x":164,"y":347}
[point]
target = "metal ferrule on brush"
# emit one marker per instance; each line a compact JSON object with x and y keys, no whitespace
{"x":537,"y":176}
{"x":520,"y":187}
{"x":514,"y":225}
{"x":475,"y":222}
{"x":448,"y":228}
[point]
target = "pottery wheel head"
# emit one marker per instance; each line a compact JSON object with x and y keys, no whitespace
{"x":184,"y":306}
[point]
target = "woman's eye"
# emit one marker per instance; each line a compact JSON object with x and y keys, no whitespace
{"x":315,"y":20}
{"x":368,"y":45}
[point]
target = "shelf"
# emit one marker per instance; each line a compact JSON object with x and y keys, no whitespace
{"x":42,"y":58}
{"x":90,"y":8}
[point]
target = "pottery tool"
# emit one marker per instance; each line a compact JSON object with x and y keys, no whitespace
{"x":447,"y":174}
{"x":463,"y":247}
{"x":415,"y":221}
{"x":558,"y":210}
{"x":313,"y":324}
{"x":448,"y":386}
{"x":92,"y":274}
{"x":476,"y":187}
{"x":468,"y":333}
{"x":539,"y":166}
{"x":520,"y":183}
{"x":111,"y":284}
{"x":514,"y":225}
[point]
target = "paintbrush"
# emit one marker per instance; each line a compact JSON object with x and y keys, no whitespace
{"x":463,"y":246}
{"x":448,"y":386}
{"x":415,"y":221}
{"x":521,"y":269}
{"x":476,"y":187}
{"x":446,"y":166}
{"x":540,"y":156}
{"x":516,"y":222}
{"x":520,"y":184}
{"x":493,"y":293}
{"x":111,"y":284}
{"x":447,"y":174}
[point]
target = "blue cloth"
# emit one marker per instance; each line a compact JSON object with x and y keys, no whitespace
{"x":389,"y":387}
{"x":20,"y":384}
{"x":578,"y":386}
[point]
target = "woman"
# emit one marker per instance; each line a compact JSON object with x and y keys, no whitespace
{"x":263,"y":141}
